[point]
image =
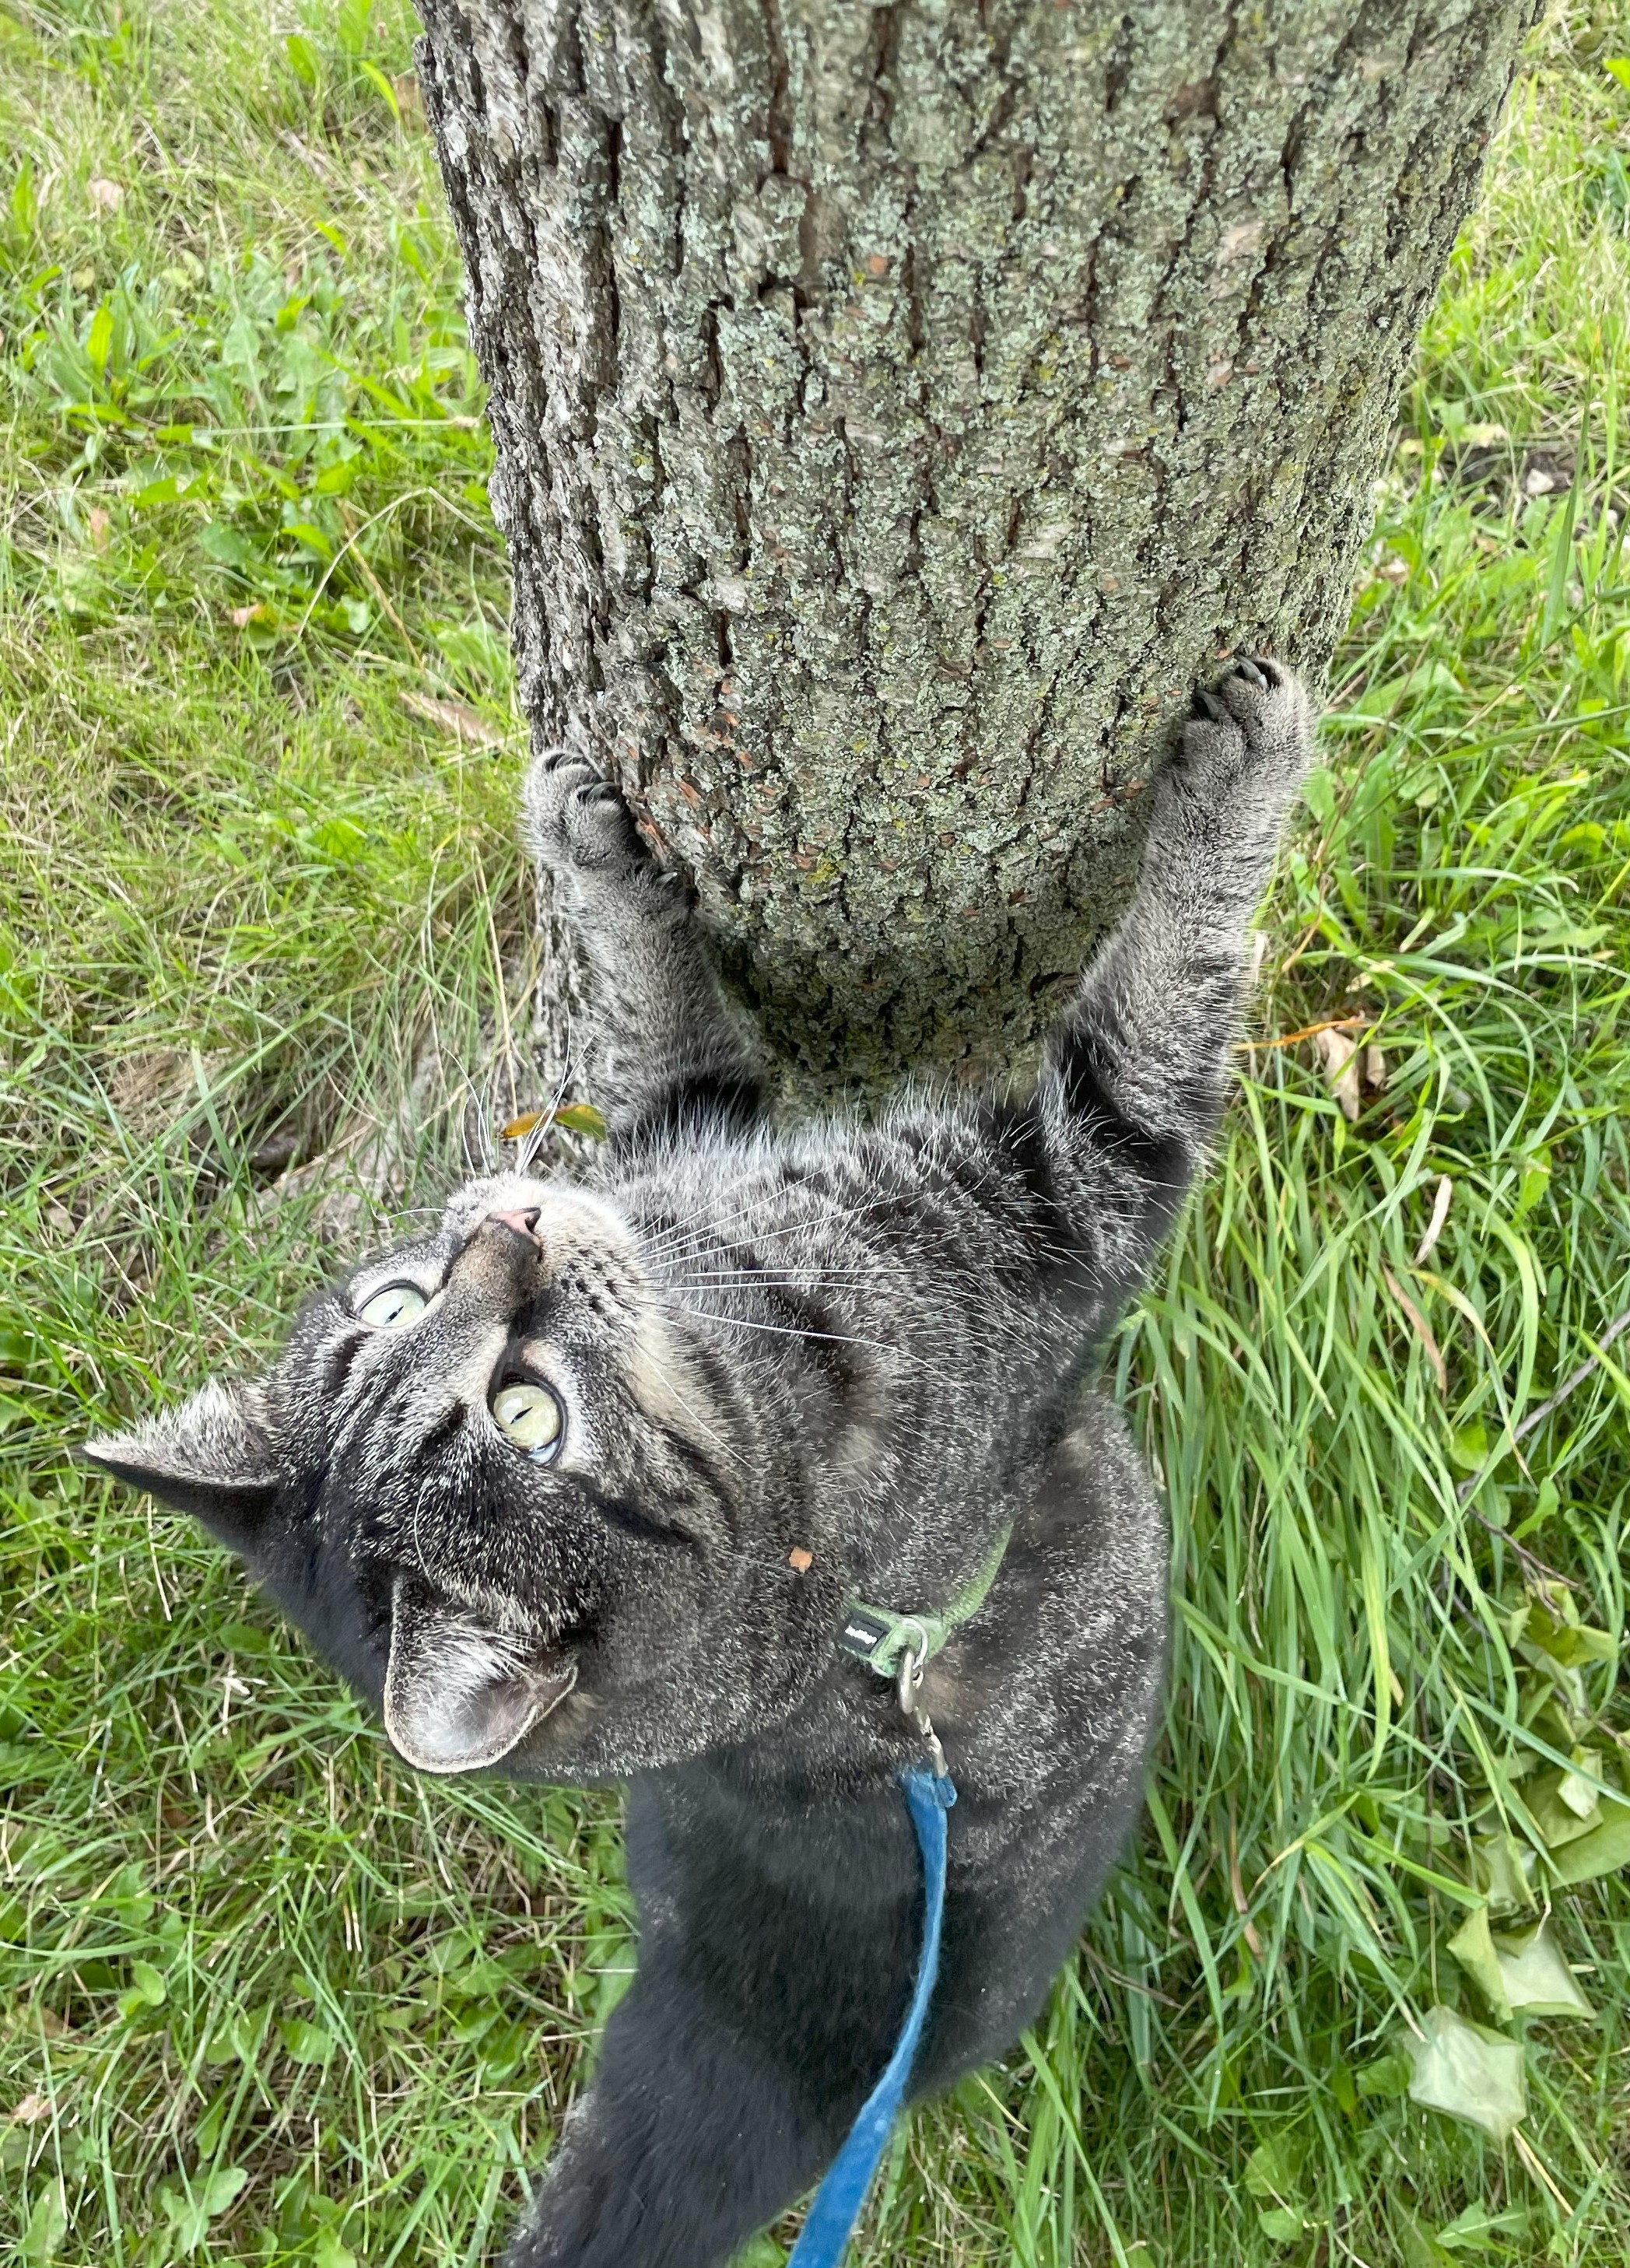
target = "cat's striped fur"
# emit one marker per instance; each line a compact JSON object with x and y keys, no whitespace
{"x":791,"y":1365}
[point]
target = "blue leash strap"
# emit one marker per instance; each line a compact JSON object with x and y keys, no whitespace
{"x":838,"y":2200}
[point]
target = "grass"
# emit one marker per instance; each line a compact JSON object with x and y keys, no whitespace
{"x":266,"y":1997}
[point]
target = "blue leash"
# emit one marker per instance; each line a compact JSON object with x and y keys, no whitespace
{"x":839,"y":2199}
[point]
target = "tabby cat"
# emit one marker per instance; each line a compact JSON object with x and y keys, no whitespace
{"x":580,"y":1485}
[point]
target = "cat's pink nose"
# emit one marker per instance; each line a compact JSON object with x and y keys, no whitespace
{"x":523,"y":1221}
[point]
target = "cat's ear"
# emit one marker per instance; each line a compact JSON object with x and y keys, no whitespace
{"x":213,"y":1457}
{"x":458,"y":1696}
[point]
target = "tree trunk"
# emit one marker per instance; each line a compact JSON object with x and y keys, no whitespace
{"x":897,"y":409}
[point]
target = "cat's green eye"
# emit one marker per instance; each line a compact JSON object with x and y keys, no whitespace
{"x":528,"y":1415}
{"x":395,"y":1305}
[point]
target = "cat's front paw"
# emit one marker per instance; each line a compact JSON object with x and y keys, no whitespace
{"x":1256,"y":724}
{"x":577,"y":821}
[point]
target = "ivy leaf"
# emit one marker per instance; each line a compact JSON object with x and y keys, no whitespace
{"x":1472,"y":1946}
{"x":1537,"y":1981}
{"x":1573,"y":1643}
{"x":1558,"y":1818}
{"x":1603,"y":1851}
{"x":1468,"y":2071}
{"x":1503,"y":1869}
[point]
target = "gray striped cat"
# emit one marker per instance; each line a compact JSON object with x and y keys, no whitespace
{"x":580,"y":1484}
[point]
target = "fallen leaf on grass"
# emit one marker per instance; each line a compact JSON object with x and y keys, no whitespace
{"x":1557,"y":1815}
{"x":1468,"y":2071}
{"x":1503,"y":1868}
{"x":241,"y":617}
{"x":1517,"y":1976}
{"x":1603,"y":1851}
{"x":576,"y":1118}
{"x":453,"y":717}
{"x":1418,"y":1324}
{"x":1539,"y":1982}
{"x":1338,"y":1057}
{"x":32,"y":2109}
{"x":106,"y":195}
{"x":1440,"y":1198}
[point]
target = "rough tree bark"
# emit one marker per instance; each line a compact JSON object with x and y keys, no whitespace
{"x":897,"y":406}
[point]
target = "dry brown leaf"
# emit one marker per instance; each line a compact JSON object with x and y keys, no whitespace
{"x":98,"y":520}
{"x":1338,"y":1057}
{"x":453,"y":717}
{"x":1441,"y":1197}
{"x":106,"y":195}
{"x":242,"y":616}
{"x":32,"y":2109}
{"x":1422,"y":1330}
{"x":1375,"y":1069}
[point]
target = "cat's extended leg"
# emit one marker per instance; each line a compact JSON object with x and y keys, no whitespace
{"x":1136,"y":1073}
{"x":665,"y":1046}
{"x":776,"y":1948}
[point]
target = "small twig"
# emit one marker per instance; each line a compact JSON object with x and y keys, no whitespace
{"x":1310,"y":1031}
{"x":1619,"y":1324}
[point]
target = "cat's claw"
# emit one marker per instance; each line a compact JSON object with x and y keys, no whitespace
{"x":577,"y":819}
{"x":1255,"y":722}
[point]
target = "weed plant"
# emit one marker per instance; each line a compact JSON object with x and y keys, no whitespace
{"x":267,"y":1997}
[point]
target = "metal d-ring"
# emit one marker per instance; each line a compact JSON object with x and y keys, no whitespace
{"x":911,"y":1681}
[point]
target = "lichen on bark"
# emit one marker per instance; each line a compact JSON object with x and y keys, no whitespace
{"x":897,"y":407}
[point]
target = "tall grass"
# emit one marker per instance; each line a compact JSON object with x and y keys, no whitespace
{"x":264,"y":1995}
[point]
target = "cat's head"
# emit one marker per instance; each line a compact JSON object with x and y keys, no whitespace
{"x":514,"y":1495}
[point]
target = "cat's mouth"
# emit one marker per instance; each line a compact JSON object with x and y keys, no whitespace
{"x":459,"y":1696}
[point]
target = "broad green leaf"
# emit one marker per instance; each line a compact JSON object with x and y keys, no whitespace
{"x":1619,"y":66}
{"x":1469,"y":2072}
{"x":1389,"y":2074}
{"x":381,"y":87}
{"x":1417,"y":2248}
{"x":1282,"y":2223}
{"x":1472,"y":1946}
{"x":1503,"y":1869}
{"x":1601,"y":1851}
{"x":1570,"y":1643}
{"x":99,"y":339}
{"x":221,"y":2189}
{"x":303,"y":60}
{"x":1537,"y":1981}
{"x":328,"y":2252}
{"x":148,"y":1982}
{"x":47,"y":2224}
{"x":1557,"y":1820}
{"x":1477,"y":2224}
{"x":306,"y":2043}
{"x":1578,"y":1789}
{"x":1271,"y":2170}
